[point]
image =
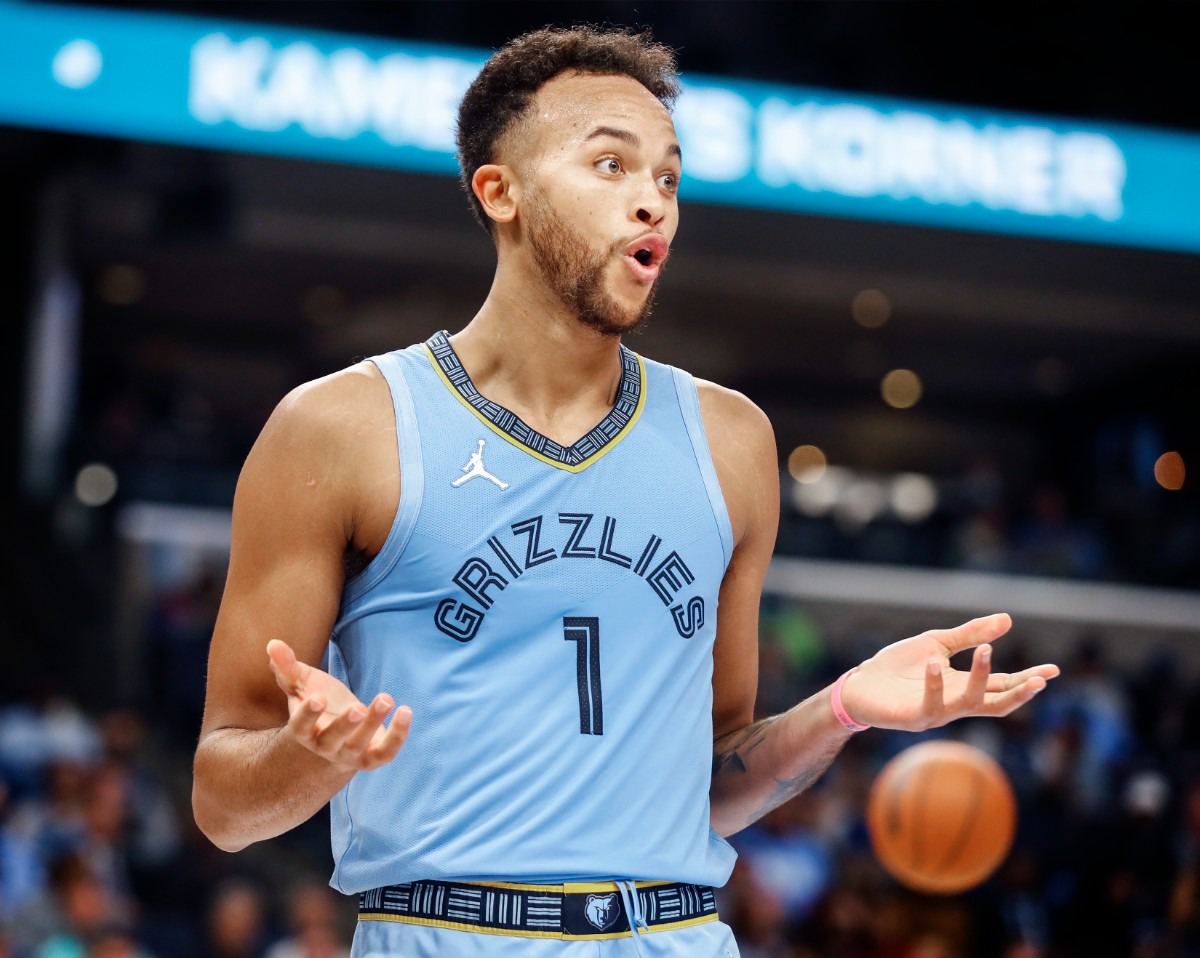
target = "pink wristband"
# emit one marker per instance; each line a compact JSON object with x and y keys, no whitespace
{"x":839,"y":710}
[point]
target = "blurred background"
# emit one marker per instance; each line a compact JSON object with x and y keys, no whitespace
{"x":952,"y":250}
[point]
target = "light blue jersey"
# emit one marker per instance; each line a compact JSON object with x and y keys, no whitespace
{"x":549,"y":614}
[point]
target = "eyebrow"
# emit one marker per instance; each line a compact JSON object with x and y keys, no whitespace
{"x":629,"y":137}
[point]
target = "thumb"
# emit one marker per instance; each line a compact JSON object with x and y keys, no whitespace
{"x":289,"y":671}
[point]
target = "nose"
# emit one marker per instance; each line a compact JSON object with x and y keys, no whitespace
{"x":650,"y":207}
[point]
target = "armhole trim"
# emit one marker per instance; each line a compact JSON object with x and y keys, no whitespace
{"x":412,"y":480}
{"x":689,"y":405}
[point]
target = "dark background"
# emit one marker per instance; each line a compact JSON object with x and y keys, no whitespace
{"x":1054,"y":374}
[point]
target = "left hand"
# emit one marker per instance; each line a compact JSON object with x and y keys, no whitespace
{"x":909,"y":685}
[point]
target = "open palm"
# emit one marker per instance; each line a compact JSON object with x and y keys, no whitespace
{"x":910,"y":684}
{"x":327,"y":718}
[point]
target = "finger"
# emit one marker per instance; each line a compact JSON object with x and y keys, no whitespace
{"x":977,"y":680}
{"x":1004,"y":703}
{"x":289,"y":671}
{"x":935,"y":701}
{"x":387,"y":747}
{"x":1003,"y":681}
{"x":333,"y":732}
{"x":361,"y":736}
{"x":975,"y":632}
{"x":303,"y":715}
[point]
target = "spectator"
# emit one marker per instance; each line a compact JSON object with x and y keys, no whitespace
{"x":114,"y":942}
{"x":789,"y":858}
{"x":83,"y":907}
{"x":755,"y":914}
{"x":1050,"y":542}
{"x":236,"y":922}
{"x":22,"y":875}
{"x":315,"y":929}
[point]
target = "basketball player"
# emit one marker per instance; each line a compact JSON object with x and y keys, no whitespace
{"x":541,"y":555}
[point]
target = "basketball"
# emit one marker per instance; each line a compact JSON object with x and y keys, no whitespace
{"x":941,"y":817}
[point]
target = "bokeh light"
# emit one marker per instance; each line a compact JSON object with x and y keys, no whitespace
{"x":122,"y":285}
{"x":816,"y":499}
{"x":806,"y":464}
{"x":863,"y":501}
{"x":901,"y":388}
{"x":870,"y":308}
{"x":913,"y":497}
{"x":77,"y":64}
{"x":95,"y":484}
{"x":1169,"y":471}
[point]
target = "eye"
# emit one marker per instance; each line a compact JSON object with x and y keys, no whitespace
{"x":669,"y":182}
{"x":610,"y":164}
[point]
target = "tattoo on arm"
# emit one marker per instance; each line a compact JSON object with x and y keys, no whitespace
{"x":731,"y":753}
{"x":789,"y":788}
{"x":731,"y":750}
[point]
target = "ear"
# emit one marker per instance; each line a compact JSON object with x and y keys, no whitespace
{"x":497,"y":191}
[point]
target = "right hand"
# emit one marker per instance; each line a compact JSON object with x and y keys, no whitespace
{"x":326,"y":718}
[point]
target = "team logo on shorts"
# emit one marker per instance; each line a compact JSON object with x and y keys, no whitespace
{"x":601,"y":910}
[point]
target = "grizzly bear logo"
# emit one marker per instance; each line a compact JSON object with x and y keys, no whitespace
{"x":601,"y":910}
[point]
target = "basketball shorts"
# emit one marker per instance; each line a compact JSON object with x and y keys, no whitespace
{"x":594,"y":920}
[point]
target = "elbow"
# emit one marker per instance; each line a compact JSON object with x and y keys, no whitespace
{"x":213,"y":818}
{"x":213,"y":825}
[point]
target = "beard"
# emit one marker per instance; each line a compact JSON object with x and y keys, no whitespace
{"x":576,"y":274}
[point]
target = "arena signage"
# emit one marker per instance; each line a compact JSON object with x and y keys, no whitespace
{"x":232,"y":86}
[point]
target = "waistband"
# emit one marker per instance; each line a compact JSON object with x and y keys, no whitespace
{"x":574,"y":911}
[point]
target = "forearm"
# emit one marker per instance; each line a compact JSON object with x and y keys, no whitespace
{"x":761,"y":766}
{"x":254,"y":784}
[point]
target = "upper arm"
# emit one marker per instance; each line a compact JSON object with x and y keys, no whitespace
{"x":742,"y":443}
{"x":297,"y":508}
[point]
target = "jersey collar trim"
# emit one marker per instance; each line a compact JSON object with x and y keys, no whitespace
{"x":599,"y":440}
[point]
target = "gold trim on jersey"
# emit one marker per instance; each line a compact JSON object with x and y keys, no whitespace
{"x":513,"y":440}
{"x":523,"y":933}
{"x":569,"y":888}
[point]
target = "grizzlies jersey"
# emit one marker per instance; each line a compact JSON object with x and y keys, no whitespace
{"x":548,"y":612}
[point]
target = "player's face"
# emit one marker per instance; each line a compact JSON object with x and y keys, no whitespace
{"x":599,"y":208}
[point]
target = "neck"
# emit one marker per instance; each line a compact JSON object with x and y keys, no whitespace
{"x":526,"y":351}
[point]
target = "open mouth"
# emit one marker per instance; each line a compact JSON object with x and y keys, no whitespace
{"x":649,"y":251}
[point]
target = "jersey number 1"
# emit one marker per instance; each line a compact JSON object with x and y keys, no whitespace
{"x":584,"y":631}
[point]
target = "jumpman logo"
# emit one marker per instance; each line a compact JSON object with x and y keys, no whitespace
{"x":474,"y":467}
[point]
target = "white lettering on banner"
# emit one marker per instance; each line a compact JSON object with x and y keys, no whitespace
{"x":854,"y":150}
{"x":846,"y":141}
{"x":405,"y":100}
{"x":715,"y":124}
{"x":848,"y":149}
{"x":1093,"y":175}
{"x":222,"y":73}
{"x":784,"y":143}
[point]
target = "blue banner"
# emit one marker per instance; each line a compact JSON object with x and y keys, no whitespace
{"x":324,"y":96}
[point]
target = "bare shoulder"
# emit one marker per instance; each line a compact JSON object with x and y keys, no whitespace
{"x":727,"y":410}
{"x":742,"y":443}
{"x":341,"y":404}
{"x":328,"y":449}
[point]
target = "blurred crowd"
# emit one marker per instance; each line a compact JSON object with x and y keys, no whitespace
{"x":1106,"y":768}
{"x":173,"y":434}
{"x":1103,"y":519}
{"x":99,"y":857}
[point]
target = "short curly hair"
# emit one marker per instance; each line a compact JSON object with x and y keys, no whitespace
{"x":504,"y":88}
